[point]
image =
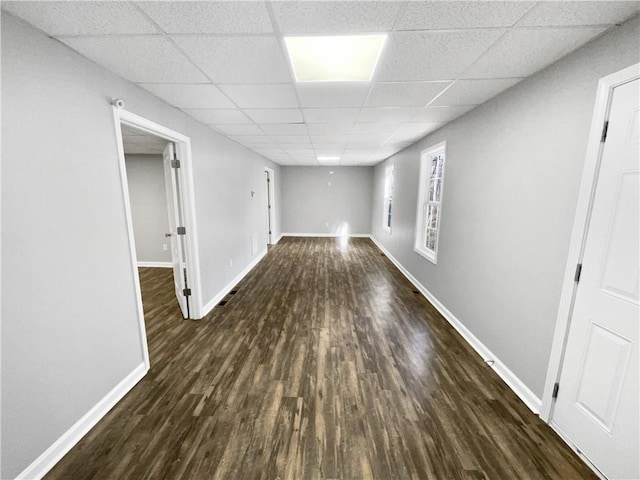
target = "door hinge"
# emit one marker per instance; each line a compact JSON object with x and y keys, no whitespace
{"x":556,"y":387}
{"x":268,"y":180}
{"x":576,"y":277}
{"x":269,"y":232}
{"x":175,"y":163}
{"x":269,"y":206}
{"x":186,"y":292}
{"x":181,"y":230}
{"x":604,"y":131}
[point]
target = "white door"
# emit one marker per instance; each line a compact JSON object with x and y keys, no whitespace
{"x":269,"y":210}
{"x":597,"y":406}
{"x":176,"y":227}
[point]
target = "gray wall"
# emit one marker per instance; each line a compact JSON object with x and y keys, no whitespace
{"x":69,"y":323}
{"x":314,"y":201}
{"x":513,"y":171}
{"x":145,"y":178}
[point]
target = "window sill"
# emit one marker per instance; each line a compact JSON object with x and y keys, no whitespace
{"x":428,"y":254}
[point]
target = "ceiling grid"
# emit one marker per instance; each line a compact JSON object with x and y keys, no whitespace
{"x":225,"y":63}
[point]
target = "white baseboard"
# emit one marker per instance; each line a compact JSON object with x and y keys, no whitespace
{"x":52,"y":455}
{"x":277,"y":239}
{"x":156,"y":264}
{"x":351,"y":235}
{"x":223,"y":293}
{"x":524,"y":393}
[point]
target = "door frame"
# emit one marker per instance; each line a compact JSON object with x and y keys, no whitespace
{"x":586,"y":194}
{"x":183,"y":146}
{"x":271,"y":212}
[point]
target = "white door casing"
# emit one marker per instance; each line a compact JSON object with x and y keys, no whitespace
{"x":597,"y":407}
{"x":174,"y":209}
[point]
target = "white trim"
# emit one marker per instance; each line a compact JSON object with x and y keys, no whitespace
{"x":332,"y":235}
{"x":156,"y":264}
{"x":278,"y":239}
{"x":223,"y":293}
{"x":519,"y":388}
{"x":580,"y":223}
{"x":183,"y":144}
{"x":132,"y":246}
{"x":52,"y":455}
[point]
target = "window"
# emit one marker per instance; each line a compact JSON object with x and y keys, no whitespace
{"x":430,"y":201}
{"x":388,"y":198}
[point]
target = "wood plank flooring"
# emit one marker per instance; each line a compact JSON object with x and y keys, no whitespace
{"x":323,"y":364}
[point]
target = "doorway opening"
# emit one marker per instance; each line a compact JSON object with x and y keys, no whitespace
{"x":271,"y":216}
{"x":159,"y":162}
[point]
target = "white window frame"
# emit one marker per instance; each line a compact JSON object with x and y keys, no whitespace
{"x":424,"y":202}
{"x":387,"y":216}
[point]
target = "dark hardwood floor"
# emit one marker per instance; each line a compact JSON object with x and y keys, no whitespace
{"x":323,"y":364}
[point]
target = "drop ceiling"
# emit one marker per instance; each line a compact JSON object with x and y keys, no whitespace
{"x":225,"y":63}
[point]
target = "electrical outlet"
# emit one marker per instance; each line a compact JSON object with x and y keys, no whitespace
{"x":230,"y":262}
{"x":164,"y":247}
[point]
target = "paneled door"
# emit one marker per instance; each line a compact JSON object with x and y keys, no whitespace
{"x":597,"y":407}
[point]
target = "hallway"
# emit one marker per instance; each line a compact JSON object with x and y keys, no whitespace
{"x":325,"y":363}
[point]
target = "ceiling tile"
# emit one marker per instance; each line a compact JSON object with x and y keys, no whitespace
{"x":404,"y":94}
{"x":433,"y":55}
{"x":262,"y":96}
{"x":330,"y":128}
{"x":329,"y":147}
{"x":284,"y":129}
{"x":253,"y":139}
{"x":522,"y":52}
{"x":297,"y":139}
{"x":420,"y":15}
{"x":473,"y":92}
{"x":334,"y":139}
{"x":368,"y":140}
{"x":579,"y":13}
{"x":139,"y":59}
{"x":218,"y":116}
{"x":82,"y":18}
{"x":190,"y":96}
{"x":355,"y":156}
{"x":440,"y":114}
{"x":240,"y":129}
{"x":301,"y":153}
{"x":209,"y":17}
{"x":387,"y":114}
{"x":377,"y":128}
{"x":333,"y":94}
{"x":334,"y":17}
{"x":237,"y":59}
{"x":412,"y":132}
{"x":331,"y":115}
{"x":275,"y":115}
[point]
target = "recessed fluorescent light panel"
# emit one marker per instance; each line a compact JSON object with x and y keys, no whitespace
{"x":328,"y":159}
{"x":347,"y":58}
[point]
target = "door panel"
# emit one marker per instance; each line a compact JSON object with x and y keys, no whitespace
{"x":597,"y":406}
{"x":174,"y":207}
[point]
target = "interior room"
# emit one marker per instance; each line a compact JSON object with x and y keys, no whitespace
{"x":323,"y":239}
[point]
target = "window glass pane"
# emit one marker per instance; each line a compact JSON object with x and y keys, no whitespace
{"x":440,"y":165}
{"x":432,"y":221}
{"x":432,"y":190}
{"x":434,"y":166}
{"x":438,"y":189}
{"x":432,"y":236}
